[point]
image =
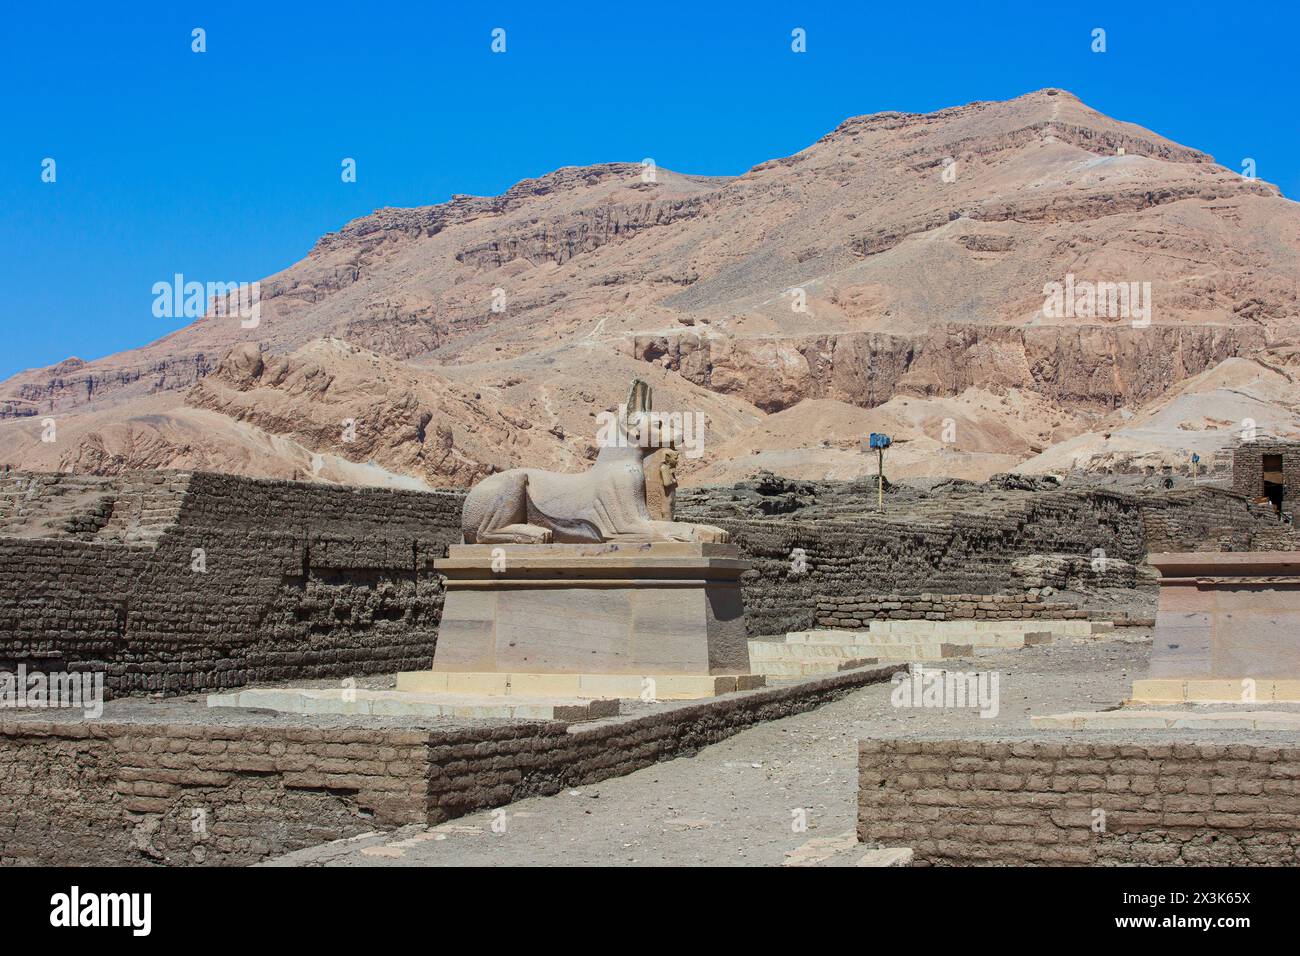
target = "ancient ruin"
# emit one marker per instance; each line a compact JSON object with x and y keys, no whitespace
{"x":393,"y":577}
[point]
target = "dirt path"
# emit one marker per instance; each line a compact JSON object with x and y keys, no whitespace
{"x":737,"y":801}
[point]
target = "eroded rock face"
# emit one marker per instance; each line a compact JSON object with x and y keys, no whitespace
{"x":900,"y":257}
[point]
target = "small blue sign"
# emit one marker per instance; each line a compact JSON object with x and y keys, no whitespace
{"x":879,"y":440}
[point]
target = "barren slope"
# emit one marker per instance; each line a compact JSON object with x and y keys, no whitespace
{"x":916,"y":288}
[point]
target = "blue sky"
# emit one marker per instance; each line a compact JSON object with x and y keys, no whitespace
{"x":225,"y":165}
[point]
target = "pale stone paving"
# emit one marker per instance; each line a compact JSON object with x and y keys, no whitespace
{"x":734,"y":803}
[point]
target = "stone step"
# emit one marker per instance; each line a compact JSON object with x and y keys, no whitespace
{"x":809,"y":668}
{"x":1134,"y":719}
{"x":866,"y":639}
{"x":778,"y":651}
{"x":871,"y":639}
{"x":580,"y":686}
{"x":394,"y":703}
{"x":1074,"y":627}
{"x":1203,"y":690}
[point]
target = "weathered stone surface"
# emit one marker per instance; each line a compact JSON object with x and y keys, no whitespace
{"x":616,"y":608}
{"x":1227,"y":617}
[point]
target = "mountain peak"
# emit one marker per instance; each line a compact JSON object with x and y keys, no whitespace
{"x":891,"y":274}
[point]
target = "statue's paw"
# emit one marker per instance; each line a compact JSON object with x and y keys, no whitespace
{"x":708,"y":534}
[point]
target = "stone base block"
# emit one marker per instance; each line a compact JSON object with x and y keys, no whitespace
{"x":1221,"y":691}
{"x":388,"y":703}
{"x":1135,"y":719}
{"x":579,"y":686}
{"x":621,"y":608}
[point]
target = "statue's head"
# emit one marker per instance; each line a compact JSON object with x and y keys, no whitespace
{"x":641,"y":426}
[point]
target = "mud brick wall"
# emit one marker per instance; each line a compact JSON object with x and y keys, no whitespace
{"x":124,"y":794}
{"x":308,"y":580}
{"x":965,"y":553}
{"x":977,"y":551}
{"x":200,"y":582}
{"x":1248,"y":469}
{"x":117,"y":793}
{"x":1214,"y":519}
{"x":1006,"y":803}
{"x":856,"y":612}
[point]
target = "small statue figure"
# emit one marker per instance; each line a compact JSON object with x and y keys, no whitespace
{"x":668,"y":480}
{"x":606,"y":503}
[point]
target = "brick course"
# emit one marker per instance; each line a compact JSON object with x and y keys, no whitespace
{"x":971,"y":802}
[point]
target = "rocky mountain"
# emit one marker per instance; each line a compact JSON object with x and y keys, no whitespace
{"x":892,"y":276}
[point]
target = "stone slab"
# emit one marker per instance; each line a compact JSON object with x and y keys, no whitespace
{"x":1072,"y":627}
{"x":388,"y":703}
{"x":867,"y":638}
{"x":1168,"y":690}
{"x":789,"y":670}
{"x":579,"y":686}
{"x":1227,"y":616}
{"x":1134,"y":719}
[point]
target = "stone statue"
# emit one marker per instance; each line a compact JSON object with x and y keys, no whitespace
{"x":668,"y":480}
{"x":606,"y":503}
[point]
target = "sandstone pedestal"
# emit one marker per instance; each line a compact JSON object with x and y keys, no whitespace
{"x":653,"y":619}
{"x":1227,"y":628}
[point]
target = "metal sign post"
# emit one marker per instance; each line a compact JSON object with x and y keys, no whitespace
{"x":880,"y":442}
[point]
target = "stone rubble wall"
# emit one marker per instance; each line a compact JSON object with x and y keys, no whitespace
{"x":970,"y":802}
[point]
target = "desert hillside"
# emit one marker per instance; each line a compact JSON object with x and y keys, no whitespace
{"x":888,"y":277}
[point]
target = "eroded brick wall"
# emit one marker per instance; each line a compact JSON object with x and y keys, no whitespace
{"x":200,"y":582}
{"x":123,"y":793}
{"x":130,"y":793}
{"x":309,"y":580}
{"x":977,"y":552}
{"x":854,"y":612}
{"x":1008,"y":803}
{"x":1248,"y":468}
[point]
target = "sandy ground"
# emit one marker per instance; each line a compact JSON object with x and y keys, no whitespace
{"x":735,"y":803}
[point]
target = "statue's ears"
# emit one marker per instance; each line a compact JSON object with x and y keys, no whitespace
{"x":638,"y":398}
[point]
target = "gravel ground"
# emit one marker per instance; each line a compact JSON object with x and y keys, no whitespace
{"x":735,"y":803}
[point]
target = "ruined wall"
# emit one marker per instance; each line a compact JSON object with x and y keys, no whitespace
{"x":221,"y":581}
{"x":1213,"y":519}
{"x":976,"y":550}
{"x":853,"y":612}
{"x":1005,"y":803}
{"x":120,"y":793}
{"x":74,"y":794}
{"x":964,"y":553}
{"x":175,"y":582}
{"x":1248,"y":469}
